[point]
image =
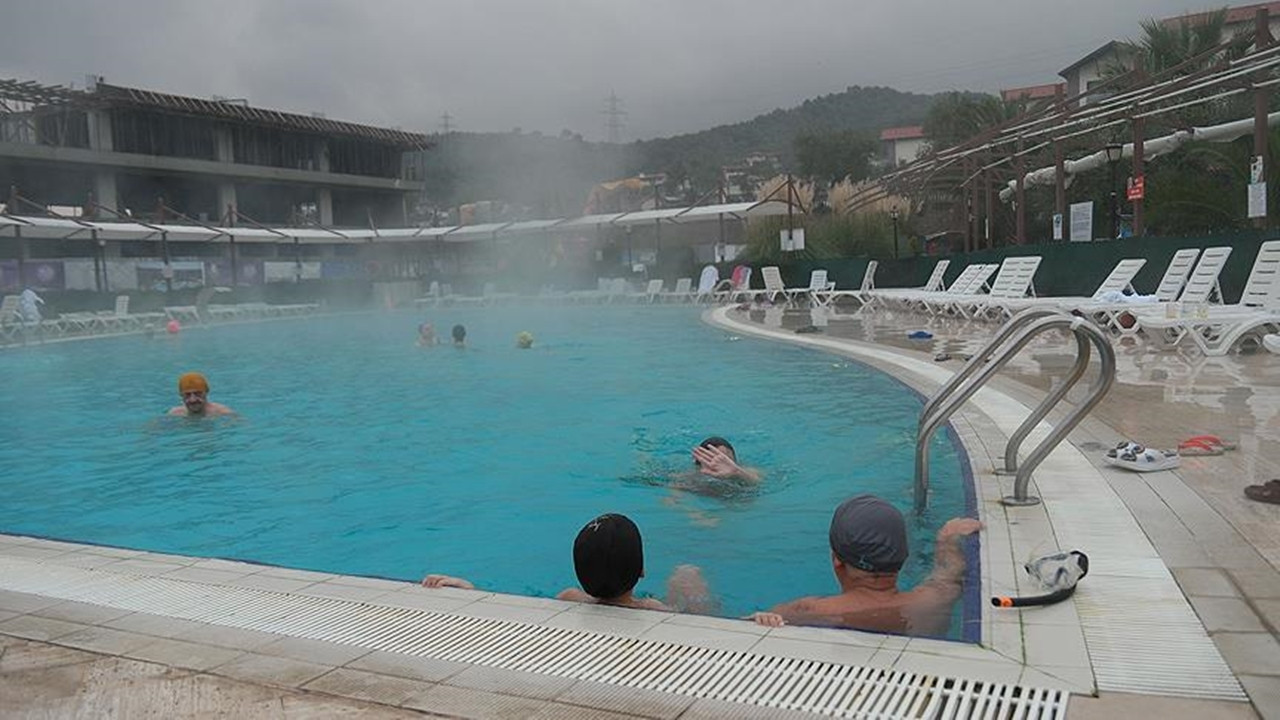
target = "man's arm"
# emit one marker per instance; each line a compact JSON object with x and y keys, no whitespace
{"x":443,"y":581}
{"x":715,"y":462}
{"x":948,"y":560}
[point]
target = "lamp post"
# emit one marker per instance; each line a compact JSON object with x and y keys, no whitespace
{"x":893,"y":214}
{"x":1114,"y":152}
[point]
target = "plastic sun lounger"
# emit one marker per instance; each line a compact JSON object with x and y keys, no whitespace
{"x":1119,"y":317}
{"x":1201,"y":289}
{"x":821,"y":290}
{"x":946,"y":301}
{"x":865,"y":290}
{"x":1215,"y":330}
{"x":1013,"y":282}
{"x":707,"y":283}
{"x":917,"y":298}
{"x":773,"y":285}
{"x":650,"y":294}
{"x":934,"y":284}
{"x":683,"y":291}
{"x":1119,"y":280}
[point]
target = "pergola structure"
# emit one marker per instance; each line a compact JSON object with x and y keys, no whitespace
{"x":1032,"y":149}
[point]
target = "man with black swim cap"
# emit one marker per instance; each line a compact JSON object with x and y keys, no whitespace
{"x":717,"y":458}
{"x":608,"y":558}
{"x":868,"y":538}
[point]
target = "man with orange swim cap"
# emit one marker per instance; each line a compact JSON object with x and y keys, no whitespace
{"x":194,"y":390}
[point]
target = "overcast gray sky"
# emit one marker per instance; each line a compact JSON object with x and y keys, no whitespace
{"x":548,"y":64}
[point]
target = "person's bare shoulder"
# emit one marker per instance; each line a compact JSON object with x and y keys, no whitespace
{"x":180,"y":410}
{"x":219,"y":409}
{"x":574,"y":595}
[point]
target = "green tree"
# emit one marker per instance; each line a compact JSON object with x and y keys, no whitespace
{"x":833,"y":156}
{"x":957,"y":117}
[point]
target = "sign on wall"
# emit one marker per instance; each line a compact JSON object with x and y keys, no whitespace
{"x":1082,"y":221}
{"x":792,"y":239}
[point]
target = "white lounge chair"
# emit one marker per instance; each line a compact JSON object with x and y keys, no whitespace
{"x":973,"y":286}
{"x":1118,"y":317}
{"x":934,"y":284}
{"x":821,"y":290}
{"x":914,"y":298}
{"x":1119,"y":280}
{"x":1216,"y":329}
{"x":682,"y":293}
{"x":10,"y":319}
{"x":707,"y":283}
{"x":1201,"y":289}
{"x":773,"y":285}
{"x":651,"y":292}
{"x":1014,"y":281}
{"x":737,"y":287}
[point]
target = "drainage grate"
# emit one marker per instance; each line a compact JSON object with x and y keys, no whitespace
{"x":774,"y":682}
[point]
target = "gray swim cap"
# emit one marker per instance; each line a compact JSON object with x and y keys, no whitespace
{"x":869,"y":534}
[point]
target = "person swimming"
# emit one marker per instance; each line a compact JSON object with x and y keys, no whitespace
{"x":194,"y":389}
{"x":459,"y":335}
{"x":524,"y":340}
{"x":426,"y":335}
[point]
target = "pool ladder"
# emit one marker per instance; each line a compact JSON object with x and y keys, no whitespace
{"x":952,"y":395}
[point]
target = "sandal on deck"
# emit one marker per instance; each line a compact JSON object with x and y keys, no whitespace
{"x":1205,"y":445}
{"x":1124,"y":446}
{"x":1142,"y":459}
{"x":1268,"y":492}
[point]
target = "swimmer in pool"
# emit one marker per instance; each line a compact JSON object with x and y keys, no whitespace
{"x":426,"y":335}
{"x":716,"y":458}
{"x":459,"y":336}
{"x":194,"y":390}
{"x":608,"y":558}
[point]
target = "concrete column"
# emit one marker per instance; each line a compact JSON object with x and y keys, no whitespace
{"x":324,"y":199}
{"x":223,"y":148}
{"x":322,"y":157}
{"x":100,"y":130}
{"x":104,"y":189}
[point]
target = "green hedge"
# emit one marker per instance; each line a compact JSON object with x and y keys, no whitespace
{"x":1067,"y":268}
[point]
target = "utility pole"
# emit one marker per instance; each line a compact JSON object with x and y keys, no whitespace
{"x":614,"y":115}
{"x":446,"y":124}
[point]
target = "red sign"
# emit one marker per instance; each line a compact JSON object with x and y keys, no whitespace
{"x":1137,"y":187}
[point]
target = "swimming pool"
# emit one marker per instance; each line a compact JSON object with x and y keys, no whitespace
{"x":360,"y":453}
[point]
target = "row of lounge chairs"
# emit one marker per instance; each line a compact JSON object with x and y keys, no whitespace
{"x":120,"y":319}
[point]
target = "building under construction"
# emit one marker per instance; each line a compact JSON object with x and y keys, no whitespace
{"x":120,"y":149}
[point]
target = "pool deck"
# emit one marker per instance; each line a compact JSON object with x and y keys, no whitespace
{"x":1178,"y":615}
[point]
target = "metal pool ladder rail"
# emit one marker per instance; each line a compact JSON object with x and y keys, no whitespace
{"x":951,"y":396}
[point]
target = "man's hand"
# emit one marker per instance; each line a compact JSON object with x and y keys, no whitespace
{"x":715,"y":462}
{"x":959,"y":527}
{"x":445,"y":581}
{"x":767,"y":619}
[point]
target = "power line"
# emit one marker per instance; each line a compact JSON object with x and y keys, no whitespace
{"x":614,"y":115}
{"x":446,"y":123}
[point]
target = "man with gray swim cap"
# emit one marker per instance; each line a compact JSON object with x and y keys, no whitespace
{"x":869,"y":546}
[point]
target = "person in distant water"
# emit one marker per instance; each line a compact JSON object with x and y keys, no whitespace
{"x":524,"y":340}
{"x":459,"y":336}
{"x":608,"y":558}
{"x":29,"y":306}
{"x":194,"y":390}
{"x":868,"y":539}
{"x":716,"y":458}
{"x":426,"y":335}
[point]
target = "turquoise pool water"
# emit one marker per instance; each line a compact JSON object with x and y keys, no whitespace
{"x":359,"y":453}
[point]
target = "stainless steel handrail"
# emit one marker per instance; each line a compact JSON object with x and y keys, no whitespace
{"x":955,"y":393}
{"x":1042,"y":410}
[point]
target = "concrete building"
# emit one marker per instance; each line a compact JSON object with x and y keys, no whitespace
{"x":1092,"y":69}
{"x":128,"y":147}
{"x":901,"y":145}
{"x":1035,"y":96}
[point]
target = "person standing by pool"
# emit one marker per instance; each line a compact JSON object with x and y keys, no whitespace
{"x":868,"y":539}
{"x":459,"y":336}
{"x":608,"y":558}
{"x":194,"y":389}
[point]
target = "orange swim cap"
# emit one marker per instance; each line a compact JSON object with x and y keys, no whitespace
{"x":192,"y":382}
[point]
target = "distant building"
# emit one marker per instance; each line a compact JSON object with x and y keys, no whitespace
{"x":129,"y":147}
{"x":1240,"y":19}
{"x":743,"y":179}
{"x":901,"y":145}
{"x":1092,"y":69}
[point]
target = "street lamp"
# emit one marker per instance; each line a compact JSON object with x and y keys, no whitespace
{"x":893,"y":214}
{"x":1114,"y":152}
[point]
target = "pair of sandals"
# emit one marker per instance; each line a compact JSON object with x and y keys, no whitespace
{"x":1205,"y":445}
{"x":1268,"y":492}
{"x":1138,"y":458}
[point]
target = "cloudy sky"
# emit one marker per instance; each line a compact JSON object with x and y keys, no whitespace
{"x":548,"y":64}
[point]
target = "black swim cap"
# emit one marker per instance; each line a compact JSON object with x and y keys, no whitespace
{"x":717,"y":441}
{"x":608,"y":556}
{"x":869,"y":534}
{"x":459,"y":332}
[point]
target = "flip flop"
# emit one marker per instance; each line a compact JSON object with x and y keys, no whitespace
{"x":1268,"y":492}
{"x":1205,"y":445}
{"x":1145,"y":460}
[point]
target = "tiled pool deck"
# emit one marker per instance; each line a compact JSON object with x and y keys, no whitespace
{"x":1165,"y":547}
